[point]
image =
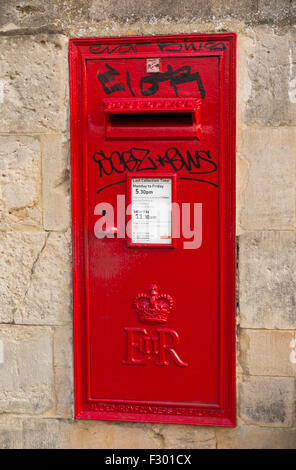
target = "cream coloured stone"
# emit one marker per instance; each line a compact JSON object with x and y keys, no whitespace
{"x":63,"y":14}
{"x":55,"y":183}
{"x":114,"y":435}
{"x":63,"y":371}
{"x":267,"y":352}
{"x":274,"y":10}
{"x":42,"y":433}
{"x":270,"y":71}
{"x":20,"y":191}
{"x":48,"y":295}
{"x":185,"y":437}
{"x":245,"y":43}
{"x":10,"y":432}
{"x":33,"y":74}
{"x":242,"y":171}
{"x":83,"y":434}
{"x":267,"y":280}
{"x":255,"y":437}
{"x":244,"y":88}
{"x":268,"y":199}
{"x":19,"y":254}
{"x":26,"y":372}
{"x":267,"y":401}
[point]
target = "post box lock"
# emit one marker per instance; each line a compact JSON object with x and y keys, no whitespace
{"x":153,"y":219}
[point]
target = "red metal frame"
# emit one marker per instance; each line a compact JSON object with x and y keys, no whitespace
{"x":223,"y":413}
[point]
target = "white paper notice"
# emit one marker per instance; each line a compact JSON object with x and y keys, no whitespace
{"x":152,"y":210}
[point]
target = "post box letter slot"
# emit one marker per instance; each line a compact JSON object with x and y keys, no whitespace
{"x":154,"y":119}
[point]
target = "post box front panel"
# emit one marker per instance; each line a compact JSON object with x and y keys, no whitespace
{"x":153,"y":228}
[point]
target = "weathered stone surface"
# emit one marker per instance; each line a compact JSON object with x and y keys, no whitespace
{"x":48,"y":295}
{"x":19,"y":253}
{"x":26,"y":369}
{"x":267,"y":401}
{"x":244,"y":88}
{"x":242,"y":170}
{"x":52,"y":433}
{"x":245,"y":43}
{"x":271,"y":67}
{"x":44,"y":433}
{"x":55,"y":183}
{"x":10,"y":432}
{"x":267,"y":352}
{"x":267,"y":280}
{"x":151,"y":27}
{"x":244,"y":10}
{"x":268,"y":198}
{"x":33,"y":79}
{"x":108,"y":435}
{"x":255,"y":437}
{"x":185,"y":437}
{"x":63,"y":371}
{"x":19,"y":182}
{"x":128,"y":9}
{"x":274,"y":10}
{"x":20,"y":15}
{"x":35,"y":277}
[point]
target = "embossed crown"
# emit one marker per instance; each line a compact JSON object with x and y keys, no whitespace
{"x":153,"y":307}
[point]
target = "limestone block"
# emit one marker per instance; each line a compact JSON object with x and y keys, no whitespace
{"x":272,"y":68}
{"x":255,"y":437}
{"x":23,"y":14}
{"x":242,"y":171}
{"x":55,"y":183}
{"x":244,"y":10}
{"x":33,"y":79}
{"x":274,"y":10}
{"x":35,"y":277}
{"x":44,"y":433}
{"x":268,"y":352}
{"x":41,"y":14}
{"x":63,"y":371}
{"x":54,"y":15}
{"x":108,"y":435}
{"x":20,"y":182}
{"x":19,"y":253}
{"x":102,"y":10}
{"x":267,"y":401}
{"x":267,"y":280}
{"x":244,"y":84}
{"x":112,"y":435}
{"x":292,"y":10}
{"x":25,"y":369}
{"x":185,"y":437}
{"x":188,"y":9}
{"x":267,"y":200}
{"x":10,"y":432}
{"x":48,"y":295}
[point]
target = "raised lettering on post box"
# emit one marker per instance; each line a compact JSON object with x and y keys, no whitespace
{"x":153,"y":207}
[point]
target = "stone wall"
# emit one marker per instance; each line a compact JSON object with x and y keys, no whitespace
{"x":36,"y":366}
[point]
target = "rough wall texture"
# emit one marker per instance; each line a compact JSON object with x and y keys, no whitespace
{"x":36,"y":372}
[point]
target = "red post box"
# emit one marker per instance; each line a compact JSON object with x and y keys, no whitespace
{"x":153,"y":204}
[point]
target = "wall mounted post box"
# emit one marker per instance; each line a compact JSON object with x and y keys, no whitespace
{"x":153,"y":203}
